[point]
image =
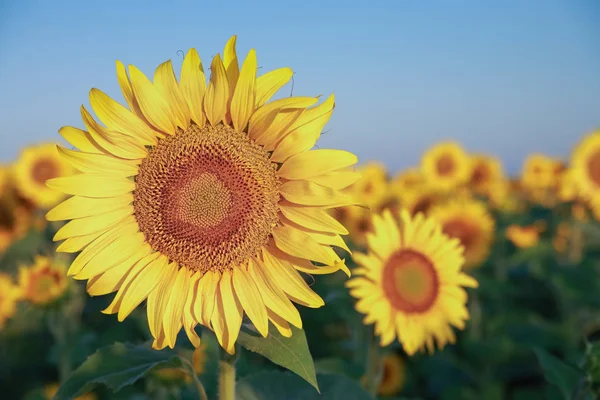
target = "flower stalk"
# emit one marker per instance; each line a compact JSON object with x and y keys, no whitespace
{"x":227,"y":375}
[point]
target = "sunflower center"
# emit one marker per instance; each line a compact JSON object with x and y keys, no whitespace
{"x":594,"y":167}
{"x":423,"y":205}
{"x":445,"y":165}
{"x":462,"y":230}
{"x":410,"y":281}
{"x":481,"y":174}
{"x":44,"y":169}
{"x":207,"y":198}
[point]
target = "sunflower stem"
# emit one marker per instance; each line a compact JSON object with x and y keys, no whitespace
{"x":227,"y":375}
{"x":373,"y":368}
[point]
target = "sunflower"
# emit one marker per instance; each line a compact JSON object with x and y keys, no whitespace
{"x":469,"y":221}
{"x":372,"y":187}
{"x":446,"y":166}
{"x":359,"y":224}
{"x":9,"y":295}
{"x":44,"y":281}
{"x":585,"y":164}
{"x":567,"y":188}
{"x":15,"y":220}
{"x":206,"y":200}
{"x":408,"y":179}
{"x":36,"y":165}
{"x":486,"y":171}
{"x":410,"y":282}
{"x":539,"y":172}
{"x":420,"y":200}
{"x":393,"y":377}
{"x":523,"y":237}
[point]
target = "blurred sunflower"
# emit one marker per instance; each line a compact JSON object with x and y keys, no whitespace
{"x":585,"y":164}
{"x":487,"y":170}
{"x":205,"y":200}
{"x":359,"y":224}
{"x":15,"y":220}
{"x":409,"y":179}
{"x":372,"y":187}
{"x":446,"y":166}
{"x":44,"y":281}
{"x":4,"y":179}
{"x":470,"y":222}
{"x":9,"y":295}
{"x":523,"y":237}
{"x":394,"y":375}
{"x":567,"y":187}
{"x":539,"y":172}
{"x":420,"y":200}
{"x":35,"y":165}
{"x":410,"y":282}
{"x":50,"y":390}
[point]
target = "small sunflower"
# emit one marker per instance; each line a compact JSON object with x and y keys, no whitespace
{"x":486,"y":171}
{"x":585,"y":164}
{"x":15,"y":220}
{"x":420,"y":200}
{"x":34,"y":167}
{"x":394,"y":375}
{"x":205,"y":200}
{"x":359,"y":224}
{"x":446,"y":166}
{"x":539,"y":172}
{"x":409,"y":179}
{"x":470,"y":222}
{"x":523,"y":237}
{"x":44,"y":281}
{"x":9,"y":295}
{"x":410,"y":282}
{"x":372,"y":187}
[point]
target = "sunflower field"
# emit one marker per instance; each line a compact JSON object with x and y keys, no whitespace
{"x":195,"y":242}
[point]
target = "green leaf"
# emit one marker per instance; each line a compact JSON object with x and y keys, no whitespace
{"x":291,"y":353}
{"x":115,"y":366}
{"x":283,"y":385}
{"x":335,"y":365}
{"x":558,"y":373}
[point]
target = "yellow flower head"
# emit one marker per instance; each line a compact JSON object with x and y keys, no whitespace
{"x":372,"y":187}
{"x":469,"y":221}
{"x":486,"y":172}
{"x":393,"y":376}
{"x":43,"y":282}
{"x":420,"y":199}
{"x":15,"y":219}
{"x":9,"y":295}
{"x":523,"y":236}
{"x":359,"y":224}
{"x":36,"y":165}
{"x":410,"y":282}
{"x":585,"y":167}
{"x":446,"y":166}
{"x":206,"y":200}
{"x":409,"y":179}
{"x":540,"y":172}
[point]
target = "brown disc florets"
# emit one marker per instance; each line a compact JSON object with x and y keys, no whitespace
{"x":207,"y":198}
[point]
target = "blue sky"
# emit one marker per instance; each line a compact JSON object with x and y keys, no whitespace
{"x":503,"y":77}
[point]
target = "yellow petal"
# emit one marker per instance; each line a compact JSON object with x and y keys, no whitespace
{"x":249,"y":295}
{"x":337,"y":179}
{"x":290,"y":281}
{"x":311,"y":194}
{"x":154,"y":107}
{"x":174,"y":310}
{"x":314,"y":218}
{"x":266,"y":121}
{"x":305,"y":131}
{"x":157,"y":304}
{"x":268,"y":84}
{"x":227,"y":316}
{"x":193,"y":85}
{"x":166,"y":83}
{"x":118,"y":118}
{"x":78,"y":243}
{"x":80,"y":207}
{"x":80,"y":139}
{"x":300,"y":244}
{"x":313,"y":163}
{"x":230,"y":62}
{"x":207,"y":292}
{"x":242,"y":101}
{"x":273,"y":297}
{"x":87,"y":225}
{"x":125,"y":85}
{"x":280,"y":324}
{"x":217,"y":93}
{"x":189,"y":322}
{"x":92,"y":185}
{"x":112,"y":255}
{"x":99,"y":163}
{"x":152,"y":271}
{"x":324,"y":270}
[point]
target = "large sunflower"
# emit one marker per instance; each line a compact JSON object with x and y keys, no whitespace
{"x":410,"y":282}
{"x":469,"y":221}
{"x":446,"y":166}
{"x":206,"y":200}
{"x":35,"y":165}
{"x":585,"y":167}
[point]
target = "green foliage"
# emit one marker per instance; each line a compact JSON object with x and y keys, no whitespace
{"x":558,"y":373}
{"x":115,"y":366}
{"x":291,"y":353}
